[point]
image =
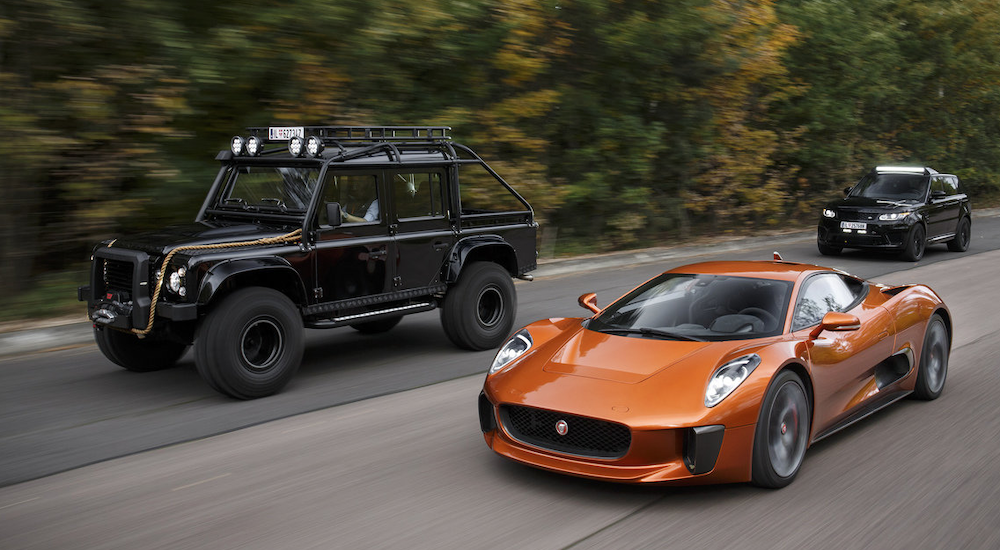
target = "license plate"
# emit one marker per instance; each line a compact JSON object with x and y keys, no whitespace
{"x":853,"y":225}
{"x":282,"y":133}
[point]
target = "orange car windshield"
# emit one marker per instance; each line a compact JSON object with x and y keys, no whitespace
{"x":699,"y":307}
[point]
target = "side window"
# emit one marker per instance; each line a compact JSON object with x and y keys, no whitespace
{"x":483,"y":193}
{"x":951,"y":185}
{"x":937,"y":184}
{"x":418,"y":195}
{"x":822,"y":294}
{"x":357,"y":195}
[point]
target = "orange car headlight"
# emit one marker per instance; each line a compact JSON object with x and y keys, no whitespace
{"x":728,"y":377}
{"x":514,"y":348}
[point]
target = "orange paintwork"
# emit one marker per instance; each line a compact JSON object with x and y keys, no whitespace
{"x":657,"y":387}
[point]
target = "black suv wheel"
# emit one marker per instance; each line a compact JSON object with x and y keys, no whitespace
{"x":129,"y":352}
{"x":962,"y":237}
{"x":478,"y":312}
{"x":916,"y":242}
{"x":251,"y":344}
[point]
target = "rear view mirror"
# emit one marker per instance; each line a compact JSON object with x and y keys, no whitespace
{"x":847,"y":190}
{"x":836,"y":321}
{"x":333,"y":214}
{"x":589,"y":301}
{"x":938,"y":194}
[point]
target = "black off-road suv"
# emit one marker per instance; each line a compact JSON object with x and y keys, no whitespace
{"x":336,"y":226}
{"x":898,"y":208}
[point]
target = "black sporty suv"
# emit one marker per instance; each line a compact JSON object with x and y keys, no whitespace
{"x":336,"y":226}
{"x":898,"y":208}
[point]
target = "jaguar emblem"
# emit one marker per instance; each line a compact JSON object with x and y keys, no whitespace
{"x":562,"y":428}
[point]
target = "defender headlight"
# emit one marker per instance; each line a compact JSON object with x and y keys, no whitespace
{"x":254,"y":146}
{"x":314,"y":146}
{"x":295,"y":146}
{"x":827,"y":213}
{"x":893,"y":216}
{"x":175,"y":282}
{"x":514,"y":348}
{"x":728,"y":377}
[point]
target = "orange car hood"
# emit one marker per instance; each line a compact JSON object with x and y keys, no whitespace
{"x":618,"y":358}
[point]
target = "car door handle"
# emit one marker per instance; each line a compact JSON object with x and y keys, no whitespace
{"x":376,"y":254}
{"x":883,"y":334}
{"x":440,"y":245}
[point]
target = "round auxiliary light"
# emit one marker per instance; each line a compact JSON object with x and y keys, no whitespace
{"x":295,"y":146}
{"x":237,"y":145}
{"x":314,"y":146}
{"x":254,"y":146}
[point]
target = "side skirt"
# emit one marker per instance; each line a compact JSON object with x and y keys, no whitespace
{"x":866,"y":411}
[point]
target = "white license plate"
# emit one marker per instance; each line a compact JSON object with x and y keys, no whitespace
{"x":853,"y":225}
{"x":282,"y":133}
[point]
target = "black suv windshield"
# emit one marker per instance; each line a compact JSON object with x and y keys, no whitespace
{"x":269,"y":188}
{"x":897,"y":187}
{"x":699,"y":307}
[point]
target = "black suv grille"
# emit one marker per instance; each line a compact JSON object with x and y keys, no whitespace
{"x":584,"y":436}
{"x":118,"y":275}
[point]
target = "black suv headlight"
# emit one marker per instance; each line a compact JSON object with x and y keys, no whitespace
{"x":828,"y":213}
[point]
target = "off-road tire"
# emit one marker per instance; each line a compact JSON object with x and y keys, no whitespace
{"x":250,"y":344}
{"x":933,"y":369}
{"x":916,"y":243}
{"x":377,"y":327}
{"x":129,"y":352}
{"x":962,"y":236}
{"x":479,"y":310}
{"x":782,"y":433}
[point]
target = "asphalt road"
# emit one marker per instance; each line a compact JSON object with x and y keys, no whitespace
{"x":377,"y":466}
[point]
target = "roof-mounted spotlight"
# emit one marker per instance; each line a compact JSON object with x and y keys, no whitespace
{"x":237,"y":145}
{"x":295,"y":146}
{"x":314,"y":146}
{"x":254,"y":146}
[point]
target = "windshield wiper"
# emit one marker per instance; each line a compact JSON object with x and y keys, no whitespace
{"x":646,"y":331}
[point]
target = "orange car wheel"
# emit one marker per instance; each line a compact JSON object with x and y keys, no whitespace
{"x":782,"y":432}
{"x":933,"y":367}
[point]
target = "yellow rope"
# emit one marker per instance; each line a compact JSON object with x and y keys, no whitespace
{"x":290,"y":237}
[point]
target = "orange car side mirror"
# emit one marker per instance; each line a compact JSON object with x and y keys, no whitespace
{"x":836,"y":321}
{"x":589,"y":301}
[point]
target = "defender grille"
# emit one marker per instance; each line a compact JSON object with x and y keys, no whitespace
{"x":584,"y":437}
{"x":118,"y":275}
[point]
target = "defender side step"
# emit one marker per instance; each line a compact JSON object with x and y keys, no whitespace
{"x":370,"y":315}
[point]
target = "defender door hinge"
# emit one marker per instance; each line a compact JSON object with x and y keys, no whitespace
{"x":318,"y":292}
{"x":397,"y":281}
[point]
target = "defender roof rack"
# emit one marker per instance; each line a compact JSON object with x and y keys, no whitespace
{"x":355,"y":134}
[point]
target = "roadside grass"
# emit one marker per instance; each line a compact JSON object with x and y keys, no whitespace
{"x":51,"y":295}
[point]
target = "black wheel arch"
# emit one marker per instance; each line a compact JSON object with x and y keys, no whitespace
{"x":489,"y":248}
{"x":269,"y":272}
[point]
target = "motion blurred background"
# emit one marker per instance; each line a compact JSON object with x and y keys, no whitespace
{"x":625,"y":123}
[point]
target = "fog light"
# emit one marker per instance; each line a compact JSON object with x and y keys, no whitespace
{"x":237,"y":145}
{"x":295,"y":146}
{"x":254,"y":146}
{"x":314,"y":146}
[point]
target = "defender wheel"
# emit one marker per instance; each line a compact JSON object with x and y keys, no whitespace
{"x":782,"y":434}
{"x":129,"y":352}
{"x":962,"y":237}
{"x":376,"y":327}
{"x":827,"y":250}
{"x":916,"y":242}
{"x":478,"y":312}
{"x":250,"y":345}
{"x":933,"y":367}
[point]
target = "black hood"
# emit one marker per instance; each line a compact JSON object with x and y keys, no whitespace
{"x":867,"y":203}
{"x":163,"y":240}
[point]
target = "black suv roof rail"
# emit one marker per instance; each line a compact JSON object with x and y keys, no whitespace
{"x":369,"y":134}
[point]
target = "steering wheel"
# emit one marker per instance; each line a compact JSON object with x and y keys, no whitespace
{"x":770,"y":321}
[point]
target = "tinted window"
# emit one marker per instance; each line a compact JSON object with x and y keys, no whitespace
{"x":825,"y":293}
{"x":938,"y":185}
{"x":892,"y":186}
{"x":707,"y":307}
{"x":951,"y":185}
{"x":269,"y":187}
{"x":418,"y":195}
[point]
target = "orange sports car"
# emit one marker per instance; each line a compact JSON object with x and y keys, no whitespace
{"x":712,"y":373}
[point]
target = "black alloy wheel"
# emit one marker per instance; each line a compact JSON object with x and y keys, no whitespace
{"x":916,"y":243}
{"x":250,"y":345}
{"x":962,"y":236}
{"x":933,"y":369}
{"x":782,"y":432}
{"x":479,"y":310}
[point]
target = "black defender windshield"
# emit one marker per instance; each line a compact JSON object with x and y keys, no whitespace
{"x":269,"y":188}
{"x":699,"y":307}
{"x":896,"y":187}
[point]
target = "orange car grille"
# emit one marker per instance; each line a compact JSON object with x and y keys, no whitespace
{"x":583,"y":437}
